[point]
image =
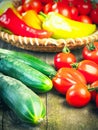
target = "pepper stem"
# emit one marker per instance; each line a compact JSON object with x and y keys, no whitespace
{"x":43,"y":14}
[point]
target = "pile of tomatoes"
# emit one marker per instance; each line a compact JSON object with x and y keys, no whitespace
{"x":78,"y":81}
{"x":80,"y":10}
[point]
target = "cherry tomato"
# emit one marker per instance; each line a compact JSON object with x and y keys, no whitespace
{"x":89,"y":69}
{"x":84,"y":7}
{"x":90,"y":52}
{"x":55,"y":7}
{"x":65,"y":78}
{"x":61,"y":8}
{"x":64,"y":10}
{"x":33,"y":4}
{"x":94,"y":92}
{"x":78,"y":95}
{"x":94,"y":15}
{"x":48,"y":7}
{"x":26,"y":6}
{"x":64,"y":59}
{"x":74,"y":12}
{"x":84,"y":19}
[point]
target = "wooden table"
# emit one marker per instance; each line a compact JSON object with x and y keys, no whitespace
{"x":60,"y":116}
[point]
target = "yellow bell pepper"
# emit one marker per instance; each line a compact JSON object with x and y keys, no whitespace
{"x":31,"y":18}
{"x":63,"y":27}
{"x":41,"y":17}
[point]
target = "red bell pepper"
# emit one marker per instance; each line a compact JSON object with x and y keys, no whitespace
{"x":12,"y":22}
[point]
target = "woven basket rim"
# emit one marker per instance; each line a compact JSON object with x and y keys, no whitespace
{"x":47,"y":44}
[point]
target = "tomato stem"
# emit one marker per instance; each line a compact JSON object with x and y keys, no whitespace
{"x":66,"y":50}
{"x":91,"y":46}
{"x":74,"y":65}
{"x":57,"y":0}
{"x":92,"y":88}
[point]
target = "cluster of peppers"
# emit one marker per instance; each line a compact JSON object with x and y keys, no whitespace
{"x":16,"y":25}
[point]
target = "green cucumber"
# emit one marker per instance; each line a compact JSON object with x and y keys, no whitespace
{"x":23,"y":101}
{"x":33,"y":61}
{"x":31,"y":77}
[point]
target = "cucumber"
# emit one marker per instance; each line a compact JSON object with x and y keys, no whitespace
{"x":33,"y":61}
{"x":27,"y":105}
{"x":31,"y":77}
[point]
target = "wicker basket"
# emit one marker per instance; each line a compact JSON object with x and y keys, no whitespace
{"x":47,"y":44}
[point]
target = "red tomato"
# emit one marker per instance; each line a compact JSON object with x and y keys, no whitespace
{"x":64,"y":60}
{"x":48,"y":7}
{"x":78,"y":95}
{"x":74,"y":12}
{"x":94,"y":92}
{"x":64,"y":10}
{"x":61,"y":8}
{"x":33,"y":4}
{"x":94,"y":15}
{"x":89,"y":69}
{"x":84,"y":19}
{"x":55,"y":7}
{"x":90,"y":52}
{"x":65,"y":78}
{"x":84,"y":7}
{"x":26,"y":6}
